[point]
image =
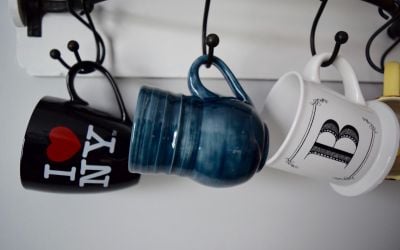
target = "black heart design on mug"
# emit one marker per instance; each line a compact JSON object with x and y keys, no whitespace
{"x":64,"y":144}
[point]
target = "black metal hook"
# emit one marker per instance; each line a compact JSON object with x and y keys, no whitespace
{"x":211,"y":40}
{"x":385,"y":6}
{"x":383,"y":14}
{"x":74,"y":46}
{"x":341,"y":37}
{"x":380,"y":68}
{"x":386,"y":9}
{"x":100,"y":46}
{"x":56,"y":55}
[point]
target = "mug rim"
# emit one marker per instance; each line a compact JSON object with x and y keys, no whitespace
{"x":24,"y":142}
{"x":28,"y":126}
{"x":289,"y":136}
{"x":385,"y":157}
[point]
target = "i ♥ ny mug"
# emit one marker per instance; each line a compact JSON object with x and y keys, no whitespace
{"x":317,"y":132}
{"x":71,"y":147}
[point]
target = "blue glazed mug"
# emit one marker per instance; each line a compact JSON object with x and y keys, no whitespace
{"x":217,"y":141}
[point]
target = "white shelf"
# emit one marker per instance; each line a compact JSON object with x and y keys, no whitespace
{"x":259,"y":39}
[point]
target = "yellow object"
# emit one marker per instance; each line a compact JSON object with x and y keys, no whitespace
{"x":391,"y":79}
{"x":391,"y":96}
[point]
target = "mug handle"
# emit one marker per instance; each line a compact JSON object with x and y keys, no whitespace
{"x":92,"y":66}
{"x":197,"y":88}
{"x":352,"y":89}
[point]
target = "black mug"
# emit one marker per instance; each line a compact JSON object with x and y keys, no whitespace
{"x":70,"y":146}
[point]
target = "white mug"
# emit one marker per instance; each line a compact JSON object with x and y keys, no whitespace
{"x":317,"y":132}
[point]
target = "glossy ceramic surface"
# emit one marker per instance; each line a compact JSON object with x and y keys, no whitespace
{"x":217,"y":141}
{"x":319,"y":133}
{"x":71,"y":147}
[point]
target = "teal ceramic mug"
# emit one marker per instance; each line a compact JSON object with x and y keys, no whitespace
{"x":217,"y":141}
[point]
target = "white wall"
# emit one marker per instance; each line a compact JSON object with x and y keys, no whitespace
{"x":274,"y":210}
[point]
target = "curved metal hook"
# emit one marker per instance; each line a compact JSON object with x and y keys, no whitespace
{"x":74,"y":46}
{"x":211,"y":40}
{"x":386,"y":53}
{"x":372,"y":38}
{"x":341,"y":37}
{"x":100,"y":46}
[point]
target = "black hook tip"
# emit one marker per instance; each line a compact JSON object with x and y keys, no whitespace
{"x":212,"y":40}
{"x":55,"y":54}
{"x":341,"y":37}
{"x":73,"y":45}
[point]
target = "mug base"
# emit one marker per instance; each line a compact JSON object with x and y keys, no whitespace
{"x":385,"y":158}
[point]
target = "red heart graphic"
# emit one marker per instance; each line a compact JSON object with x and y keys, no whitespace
{"x":64,"y":144}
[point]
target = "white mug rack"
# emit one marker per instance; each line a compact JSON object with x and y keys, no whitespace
{"x":156,"y":38}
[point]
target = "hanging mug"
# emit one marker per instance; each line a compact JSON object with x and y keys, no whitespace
{"x":217,"y":141}
{"x":70,"y":146}
{"x":340,"y":139}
